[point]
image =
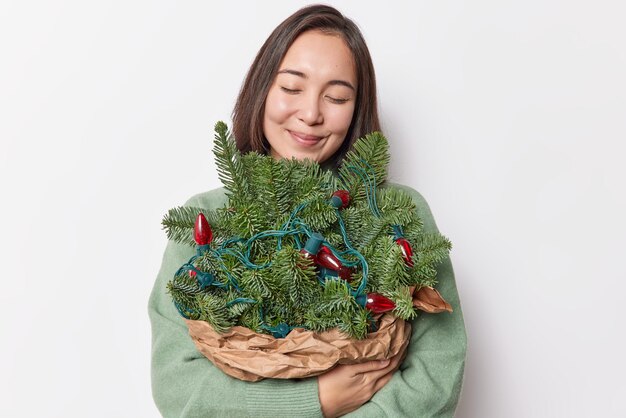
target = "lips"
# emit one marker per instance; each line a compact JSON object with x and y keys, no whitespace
{"x":304,"y":139}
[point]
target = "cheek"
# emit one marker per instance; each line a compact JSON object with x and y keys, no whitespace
{"x":341,"y":119}
{"x":276,"y":107}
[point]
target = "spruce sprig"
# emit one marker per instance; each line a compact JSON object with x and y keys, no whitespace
{"x":371,"y":154}
{"x":230,"y":169}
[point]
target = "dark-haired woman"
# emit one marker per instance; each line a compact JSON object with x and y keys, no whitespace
{"x":310,"y":93}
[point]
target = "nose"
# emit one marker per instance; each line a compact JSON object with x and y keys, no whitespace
{"x":310,"y":110}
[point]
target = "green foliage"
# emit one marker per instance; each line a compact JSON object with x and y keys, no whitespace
{"x":183,"y":289}
{"x":297,"y":277}
{"x":372,"y":151}
{"x":433,"y":248}
{"x":404,"y":302}
{"x":230,"y":168}
{"x":388,"y":265}
{"x":213,"y":310}
{"x":260,"y":284}
{"x":338,"y":308}
{"x":277,"y":285}
{"x":269,"y":187}
{"x":178,"y":223}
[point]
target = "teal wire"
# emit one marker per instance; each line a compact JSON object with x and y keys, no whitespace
{"x":180,"y":309}
{"x":244,"y":258}
{"x":370,"y":196}
{"x":353,"y":252}
{"x":373,"y":184}
{"x":346,"y":241}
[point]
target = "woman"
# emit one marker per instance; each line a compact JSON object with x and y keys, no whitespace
{"x":310,"y":93}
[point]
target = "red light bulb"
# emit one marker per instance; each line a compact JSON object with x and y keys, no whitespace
{"x":340,"y":199}
{"x":378,"y":303}
{"x":326,"y":258}
{"x":407,"y":251}
{"x":202,"y":233}
{"x":346,"y":273}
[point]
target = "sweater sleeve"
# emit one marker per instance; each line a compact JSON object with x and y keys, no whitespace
{"x":186,"y":384}
{"x":428,"y":383}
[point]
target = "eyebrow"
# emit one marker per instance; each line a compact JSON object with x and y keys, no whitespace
{"x":331,"y":82}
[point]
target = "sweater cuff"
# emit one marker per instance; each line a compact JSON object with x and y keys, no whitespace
{"x":284,"y":398}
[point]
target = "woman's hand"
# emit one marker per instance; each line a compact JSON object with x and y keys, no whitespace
{"x":347,"y":387}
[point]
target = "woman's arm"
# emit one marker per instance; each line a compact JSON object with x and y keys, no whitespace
{"x":428,"y":383}
{"x":186,"y":384}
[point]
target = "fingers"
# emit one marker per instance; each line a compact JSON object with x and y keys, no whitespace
{"x":379,"y":367}
{"x":368,"y":366}
{"x":347,"y":387}
{"x":383,"y":376}
{"x":392,"y":366}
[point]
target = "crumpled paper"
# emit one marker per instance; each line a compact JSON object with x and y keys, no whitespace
{"x":250,"y":356}
{"x":430,"y":300}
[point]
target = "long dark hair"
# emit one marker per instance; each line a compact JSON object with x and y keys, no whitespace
{"x":250,"y":106}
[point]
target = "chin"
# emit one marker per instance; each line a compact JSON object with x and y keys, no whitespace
{"x":305,"y":156}
{"x":297,"y":154}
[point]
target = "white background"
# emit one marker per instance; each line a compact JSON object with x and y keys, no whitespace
{"x":509,"y":117}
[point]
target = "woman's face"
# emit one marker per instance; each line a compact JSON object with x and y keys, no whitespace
{"x":309,"y":106}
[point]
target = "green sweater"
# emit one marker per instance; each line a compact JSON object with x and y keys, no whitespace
{"x":186,"y":384}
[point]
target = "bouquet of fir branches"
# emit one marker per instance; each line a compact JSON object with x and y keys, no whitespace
{"x":303,"y":268}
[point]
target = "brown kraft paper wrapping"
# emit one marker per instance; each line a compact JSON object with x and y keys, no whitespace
{"x":250,"y":356}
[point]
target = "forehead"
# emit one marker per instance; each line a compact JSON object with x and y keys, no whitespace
{"x":317,"y":54}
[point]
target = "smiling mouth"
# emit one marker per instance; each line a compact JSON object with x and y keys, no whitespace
{"x":304,"y":139}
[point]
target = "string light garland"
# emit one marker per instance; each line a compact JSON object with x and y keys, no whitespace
{"x":235,"y":275}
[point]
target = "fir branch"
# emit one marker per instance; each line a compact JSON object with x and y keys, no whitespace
{"x":184,"y":289}
{"x":335,"y":301}
{"x":396,"y":206}
{"x":269,"y":185}
{"x":355,"y":324}
{"x":297,"y":277}
{"x":435,"y":244}
{"x":429,"y":250}
{"x":404,"y":303}
{"x":260,"y":283}
{"x":356,"y":218}
{"x":178,"y":223}
{"x":373,"y":229}
{"x":230,"y":169}
{"x":318,"y":214}
{"x":306,"y":180}
{"x":252,"y":319}
{"x":214,"y":311}
{"x":208,"y":262}
{"x":247,"y":220}
{"x":334,"y":237}
{"x":237,"y":309}
{"x":388,"y":264}
{"x":337,"y":298}
{"x":373,"y":149}
{"x":413,"y":229}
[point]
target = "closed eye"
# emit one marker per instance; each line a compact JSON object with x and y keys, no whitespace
{"x":290,"y":91}
{"x":337,"y":100}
